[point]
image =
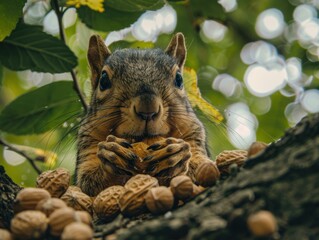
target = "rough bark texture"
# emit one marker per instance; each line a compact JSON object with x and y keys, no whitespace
{"x":8,"y":191}
{"x":283,"y":180}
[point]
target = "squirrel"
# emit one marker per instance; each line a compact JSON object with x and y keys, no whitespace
{"x":137,"y":95}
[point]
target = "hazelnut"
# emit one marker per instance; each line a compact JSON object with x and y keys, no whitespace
{"x":55,"y":181}
{"x":181,"y":187}
{"x":5,"y":234}
{"x":140,"y":149}
{"x":229,"y":157}
{"x":28,"y":198}
{"x":77,"y":231}
{"x":77,"y":200}
{"x":132,"y":201}
{"x":29,"y":224}
{"x":207,"y":174}
{"x":48,"y":206}
{"x":262,"y":223}
{"x":59,"y":219}
{"x":256,"y":148}
{"x":159,"y":200}
{"x":106,"y":204}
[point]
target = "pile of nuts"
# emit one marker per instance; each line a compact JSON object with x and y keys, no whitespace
{"x":40,"y":212}
{"x":56,"y":209}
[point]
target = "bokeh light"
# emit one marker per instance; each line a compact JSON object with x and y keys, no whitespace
{"x":262,"y":80}
{"x":12,"y":158}
{"x":50,"y":22}
{"x":227,"y":85}
{"x":294,"y":112}
{"x":259,"y":51}
{"x":228,"y":5}
{"x":212,"y":31}
{"x":241,"y":125}
{"x":310,"y":100}
{"x":270,"y":23}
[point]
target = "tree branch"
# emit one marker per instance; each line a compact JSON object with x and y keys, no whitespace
{"x":22,"y":153}
{"x":76,"y":87}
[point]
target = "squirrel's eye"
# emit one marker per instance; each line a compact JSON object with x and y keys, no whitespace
{"x":179,"y":80}
{"x":105,"y":82}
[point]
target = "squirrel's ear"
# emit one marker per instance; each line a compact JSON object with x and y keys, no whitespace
{"x":97,"y":54}
{"x":177,"y":49}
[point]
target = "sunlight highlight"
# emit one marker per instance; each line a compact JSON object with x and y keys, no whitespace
{"x":270,"y":23}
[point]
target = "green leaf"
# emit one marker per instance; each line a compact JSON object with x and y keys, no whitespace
{"x":10,"y":12}
{"x":29,"y":48}
{"x":134,"y":5}
{"x":207,"y":9}
{"x":109,"y":20}
{"x":41,"y":110}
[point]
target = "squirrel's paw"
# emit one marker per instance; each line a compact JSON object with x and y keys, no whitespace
{"x":116,"y":152}
{"x":168,"y":157}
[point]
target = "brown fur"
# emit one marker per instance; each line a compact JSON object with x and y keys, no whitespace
{"x":142,"y":104}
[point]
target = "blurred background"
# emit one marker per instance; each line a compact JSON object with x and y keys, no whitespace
{"x":256,"y":61}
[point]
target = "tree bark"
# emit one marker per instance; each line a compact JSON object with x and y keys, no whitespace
{"x":8,"y":191}
{"x":283,"y":180}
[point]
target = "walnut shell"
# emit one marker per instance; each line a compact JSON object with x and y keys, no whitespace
{"x":78,"y":200}
{"x":84,"y":217}
{"x":55,"y":181}
{"x":262,"y":223}
{"x":74,"y":188}
{"x":59,"y":219}
{"x":229,"y":157}
{"x":29,"y":224}
{"x":207,"y":174}
{"x":181,"y":187}
{"x":132,"y":201}
{"x":197,"y":190}
{"x":5,"y":234}
{"x":106,"y":204}
{"x":28,"y":198}
{"x":159,"y":200}
{"x":48,"y":206}
{"x":256,"y":148}
{"x":77,"y":231}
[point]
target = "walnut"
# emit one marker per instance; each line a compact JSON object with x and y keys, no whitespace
{"x":181,"y":187}
{"x":48,"y":206}
{"x":59,"y":219}
{"x":197,"y":190}
{"x":207,"y":174}
{"x":28,"y":198}
{"x":159,"y":200}
{"x":29,"y":224}
{"x":5,"y":234}
{"x":256,"y":148}
{"x":262,"y":223}
{"x":106,"y":204}
{"x":132,"y":201}
{"x":55,"y":181}
{"x":74,"y":188}
{"x":229,"y":157}
{"x":77,"y":231}
{"x":84,"y":217}
{"x":77,"y":200}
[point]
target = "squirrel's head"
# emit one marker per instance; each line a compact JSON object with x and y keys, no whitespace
{"x":138,"y":93}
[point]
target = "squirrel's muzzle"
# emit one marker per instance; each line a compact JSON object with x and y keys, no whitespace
{"x":147,"y":107}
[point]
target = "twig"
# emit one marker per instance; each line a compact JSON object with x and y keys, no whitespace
{"x":22,"y":153}
{"x":76,"y":87}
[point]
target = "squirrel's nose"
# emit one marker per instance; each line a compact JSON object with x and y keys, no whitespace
{"x":146,"y":115}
